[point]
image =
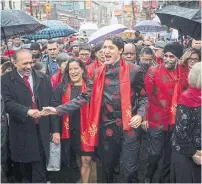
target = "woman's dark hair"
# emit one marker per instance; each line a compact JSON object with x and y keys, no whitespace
{"x":98,"y":46}
{"x":5,"y":66}
{"x":66,"y":78}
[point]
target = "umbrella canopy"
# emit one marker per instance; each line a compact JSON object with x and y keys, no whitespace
{"x":55,"y":29}
{"x":106,"y":30}
{"x":16,"y":22}
{"x":186,"y":21}
{"x":149,"y":26}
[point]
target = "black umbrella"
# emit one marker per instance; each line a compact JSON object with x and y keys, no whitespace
{"x":186,"y":21}
{"x":16,"y":22}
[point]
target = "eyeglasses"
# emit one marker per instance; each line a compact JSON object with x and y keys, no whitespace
{"x":84,"y":54}
{"x":170,"y":56}
{"x":193,"y":60}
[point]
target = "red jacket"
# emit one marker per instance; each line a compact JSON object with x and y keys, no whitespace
{"x":160,"y":85}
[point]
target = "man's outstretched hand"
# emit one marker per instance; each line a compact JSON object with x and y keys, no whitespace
{"x":48,"y":111}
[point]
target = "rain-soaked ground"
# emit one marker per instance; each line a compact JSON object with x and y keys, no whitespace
{"x":72,"y":175}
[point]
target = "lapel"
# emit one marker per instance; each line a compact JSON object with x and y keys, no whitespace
{"x":37,"y":78}
{"x":17,"y":78}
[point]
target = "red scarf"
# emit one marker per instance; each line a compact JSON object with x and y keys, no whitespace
{"x":84,"y":111}
{"x":56,"y":79}
{"x":91,"y":134}
{"x":191,"y":97}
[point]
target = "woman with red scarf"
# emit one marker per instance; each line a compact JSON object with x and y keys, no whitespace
{"x":100,"y":59}
{"x":71,"y":127}
{"x":186,"y":154}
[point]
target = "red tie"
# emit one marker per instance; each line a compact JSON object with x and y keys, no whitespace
{"x":25,"y":78}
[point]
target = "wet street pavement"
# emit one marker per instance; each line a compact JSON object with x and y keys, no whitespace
{"x":72,"y":175}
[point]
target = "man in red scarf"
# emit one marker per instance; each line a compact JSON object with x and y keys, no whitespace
{"x":117,"y":107}
{"x":164,"y":84}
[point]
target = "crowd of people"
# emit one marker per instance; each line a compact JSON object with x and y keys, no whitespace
{"x":99,"y":101}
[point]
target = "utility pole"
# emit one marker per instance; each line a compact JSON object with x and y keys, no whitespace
{"x":31,"y":10}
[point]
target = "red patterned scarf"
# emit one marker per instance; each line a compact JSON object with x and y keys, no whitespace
{"x":91,"y":134}
{"x":84,"y":111}
{"x":191,"y":97}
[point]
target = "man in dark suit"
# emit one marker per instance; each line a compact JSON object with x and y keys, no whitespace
{"x":25,"y":92}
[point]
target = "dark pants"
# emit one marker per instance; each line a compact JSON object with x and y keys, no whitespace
{"x":109,"y":151}
{"x":159,"y":144}
{"x":34,"y":172}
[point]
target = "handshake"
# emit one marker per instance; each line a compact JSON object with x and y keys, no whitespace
{"x":35,"y":113}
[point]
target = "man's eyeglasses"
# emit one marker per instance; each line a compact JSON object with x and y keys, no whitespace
{"x":170,"y":56}
{"x":84,"y":54}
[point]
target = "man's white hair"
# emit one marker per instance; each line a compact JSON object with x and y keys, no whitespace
{"x":194,"y":77}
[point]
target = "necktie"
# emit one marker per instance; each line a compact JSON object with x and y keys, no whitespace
{"x":25,"y":78}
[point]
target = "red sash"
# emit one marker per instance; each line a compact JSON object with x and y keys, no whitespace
{"x":91,"y":134}
{"x":84,"y":111}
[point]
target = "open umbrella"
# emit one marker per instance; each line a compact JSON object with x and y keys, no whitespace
{"x":187,"y":21}
{"x":147,"y":26}
{"x":16,"y":22}
{"x":106,"y":30}
{"x":55,"y":29}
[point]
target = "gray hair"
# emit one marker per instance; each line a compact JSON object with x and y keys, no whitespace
{"x":19,"y":52}
{"x":62,"y":57}
{"x":194,"y":77}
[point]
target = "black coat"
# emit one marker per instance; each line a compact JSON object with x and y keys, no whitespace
{"x":22,"y":130}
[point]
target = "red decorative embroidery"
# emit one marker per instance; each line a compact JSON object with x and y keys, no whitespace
{"x":142,"y":92}
{"x":104,"y":118}
{"x":109,"y":132}
{"x":109,"y":108}
{"x":116,"y":95}
{"x":119,"y":122}
{"x":81,"y":101}
{"x":113,"y":70}
{"x":107,"y":81}
{"x":163,"y":103}
{"x":131,"y":132}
